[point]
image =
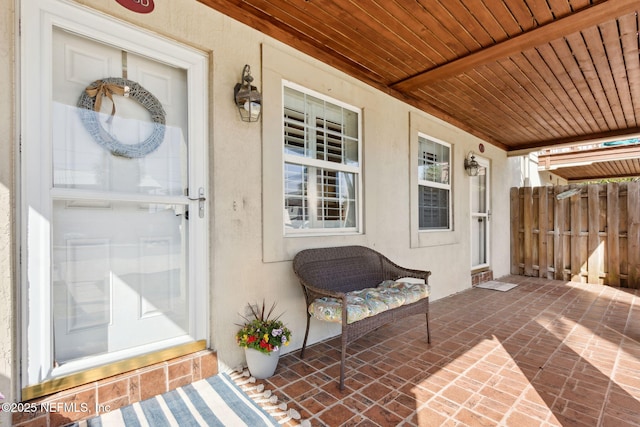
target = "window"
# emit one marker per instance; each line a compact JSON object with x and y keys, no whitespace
{"x":322,"y":167}
{"x":434,"y":184}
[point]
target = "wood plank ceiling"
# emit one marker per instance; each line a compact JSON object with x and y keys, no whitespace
{"x":520,"y":74}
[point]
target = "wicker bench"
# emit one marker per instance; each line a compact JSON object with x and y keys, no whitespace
{"x":335,"y":274}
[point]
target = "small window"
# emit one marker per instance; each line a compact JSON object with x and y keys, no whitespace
{"x":434,"y":184}
{"x":322,"y":167}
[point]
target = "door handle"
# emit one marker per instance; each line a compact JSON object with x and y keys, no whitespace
{"x":200,"y":199}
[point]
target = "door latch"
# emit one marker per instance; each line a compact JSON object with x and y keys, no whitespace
{"x":201,"y":199}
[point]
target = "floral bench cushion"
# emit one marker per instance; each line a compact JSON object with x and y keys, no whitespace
{"x":369,"y":302}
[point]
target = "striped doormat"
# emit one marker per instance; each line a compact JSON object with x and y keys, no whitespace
{"x":215,"y":401}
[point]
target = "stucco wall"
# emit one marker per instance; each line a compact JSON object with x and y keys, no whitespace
{"x":250,"y":260}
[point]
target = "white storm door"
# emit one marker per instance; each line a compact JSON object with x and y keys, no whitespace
{"x":121,"y":268}
{"x":480,"y":216}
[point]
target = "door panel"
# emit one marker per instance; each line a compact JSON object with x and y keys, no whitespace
{"x":119,"y":278}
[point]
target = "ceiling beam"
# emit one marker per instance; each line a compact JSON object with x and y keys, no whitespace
{"x":585,"y":18}
{"x":552,"y":161}
{"x":594,"y":138}
{"x":586,"y":175}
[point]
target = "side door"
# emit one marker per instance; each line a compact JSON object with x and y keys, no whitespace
{"x":480,"y":216}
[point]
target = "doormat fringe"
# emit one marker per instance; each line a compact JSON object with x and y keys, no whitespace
{"x":266,"y":399}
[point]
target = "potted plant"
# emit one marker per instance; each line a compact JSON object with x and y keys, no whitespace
{"x":262,"y":338}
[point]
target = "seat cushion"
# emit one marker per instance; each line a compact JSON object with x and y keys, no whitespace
{"x":369,"y":302}
{"x":330,"y":309}
{"x":412,"y":292}
{"x":390,"y":297}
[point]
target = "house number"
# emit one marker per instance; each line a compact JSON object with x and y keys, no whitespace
{"x":139,"y":6}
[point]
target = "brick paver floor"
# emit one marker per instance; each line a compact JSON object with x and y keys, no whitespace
{"x":546,"y":353}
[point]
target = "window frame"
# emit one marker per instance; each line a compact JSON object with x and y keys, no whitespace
{"x":436,"y":185}
{"x":321,"y":165}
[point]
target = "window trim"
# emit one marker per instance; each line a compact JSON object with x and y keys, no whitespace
{"x":421,"y":123}
{"x":321,"y":164}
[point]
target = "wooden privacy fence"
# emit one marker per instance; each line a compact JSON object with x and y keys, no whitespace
{"x":588,"y":233}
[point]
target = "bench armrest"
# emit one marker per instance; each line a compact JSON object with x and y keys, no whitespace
{"x":395,"y":272}
{"x":312,"y":293}
{"x":418,"y":274}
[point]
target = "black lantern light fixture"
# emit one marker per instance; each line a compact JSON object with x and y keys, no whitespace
{"x":471,"y":165}
{"x":247,"y":98}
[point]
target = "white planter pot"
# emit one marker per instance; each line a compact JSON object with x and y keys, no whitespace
{"x":261,"y":365}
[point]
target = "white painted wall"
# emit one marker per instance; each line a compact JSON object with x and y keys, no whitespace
{"x":250,"y":260}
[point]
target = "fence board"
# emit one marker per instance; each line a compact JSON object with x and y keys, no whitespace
{"x":613,"y":234}
{"x":543,"y":228}
{"x":576,"y":220}
{"x":592,"y":235}
{"x":593,"y":246}
{"x":527,"y":223}
{"x":633,"y":234}
{"x":515,"y":230}
{"x":558,"y":236}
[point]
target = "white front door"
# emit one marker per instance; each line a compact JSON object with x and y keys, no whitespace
{"x":480,"y":216}
{"x":116,"y":252}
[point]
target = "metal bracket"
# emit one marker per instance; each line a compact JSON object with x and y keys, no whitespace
{"x":201,"y":199}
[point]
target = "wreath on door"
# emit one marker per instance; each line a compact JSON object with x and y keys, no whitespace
{"x":90,"y":102}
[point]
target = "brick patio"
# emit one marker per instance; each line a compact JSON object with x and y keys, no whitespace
{"x":546,"y":353}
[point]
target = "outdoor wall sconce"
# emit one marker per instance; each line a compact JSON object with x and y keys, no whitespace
{"x":471,"y":165}
{"x":247,"y":98}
